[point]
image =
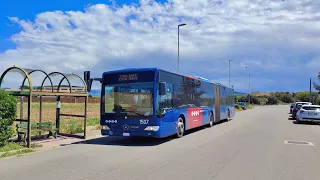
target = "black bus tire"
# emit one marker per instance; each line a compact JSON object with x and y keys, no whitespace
{"x":229,"y":115}
{"x":180,"y":127}
{"x":211,"y":121}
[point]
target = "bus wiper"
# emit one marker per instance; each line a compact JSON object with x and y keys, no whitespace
{"x":136,"y":113}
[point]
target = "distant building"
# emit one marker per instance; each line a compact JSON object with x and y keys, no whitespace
{"x":64,"y":88}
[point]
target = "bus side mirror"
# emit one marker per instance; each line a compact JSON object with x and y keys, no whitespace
{"x":162,"y":88}
{"x":88,"y":80}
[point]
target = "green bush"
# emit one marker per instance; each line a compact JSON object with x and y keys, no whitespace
{"x":237,"y":106}
{"x":272,"y":100}
{"x":8,"y":110}
{"x":236,"y":98}
{"x":316,"y":100}
{"x":263,"y":100}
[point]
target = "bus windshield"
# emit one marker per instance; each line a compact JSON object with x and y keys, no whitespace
{"x":129,"y":98}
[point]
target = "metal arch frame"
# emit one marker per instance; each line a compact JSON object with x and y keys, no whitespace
{"x":47,"y":76}
{"x":29,"y":99}
{"x":60,"y":81}
{"x":22,"y":70}
{"x":52,"y":93}
{"x":66,"y":77}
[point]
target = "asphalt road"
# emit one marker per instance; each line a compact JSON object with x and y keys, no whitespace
{"x":251,"y":146}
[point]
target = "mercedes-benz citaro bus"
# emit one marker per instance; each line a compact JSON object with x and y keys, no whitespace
{"x":156,"y":103}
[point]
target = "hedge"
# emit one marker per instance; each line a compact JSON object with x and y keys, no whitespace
{"x":8,"y":109}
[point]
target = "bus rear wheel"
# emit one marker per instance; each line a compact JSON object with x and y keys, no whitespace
{"x":180,"y":127}
{"x":229,"y":116}
{"x":211,"y":121}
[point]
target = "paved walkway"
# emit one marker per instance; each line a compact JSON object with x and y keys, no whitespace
{"x":64,"y":140}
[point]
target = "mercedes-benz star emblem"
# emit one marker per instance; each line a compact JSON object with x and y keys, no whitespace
{"x":126,"y":127}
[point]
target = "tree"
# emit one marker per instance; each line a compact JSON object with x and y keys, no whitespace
{"x":286,"y":98}
{"x":315,"y":85}
{"x":272,"y":100}
{"x":24,"y":87}
{"x":317,"y":100}
{"x":254,"y":100}
{"x":303,"y":96}
{"x":263,"y":100}
{"x":8,"y":110}
{"x":236,"y":98}
{"x":243,"y":98}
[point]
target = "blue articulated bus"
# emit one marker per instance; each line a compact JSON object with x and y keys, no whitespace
{"x":157,"y":103}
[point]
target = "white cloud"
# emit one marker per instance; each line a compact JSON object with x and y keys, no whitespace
{"x":270,"y":36}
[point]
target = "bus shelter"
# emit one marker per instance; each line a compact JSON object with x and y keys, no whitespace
{"x":54,"y":90}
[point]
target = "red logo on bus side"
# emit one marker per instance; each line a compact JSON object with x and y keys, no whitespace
{"x":194,"y":117}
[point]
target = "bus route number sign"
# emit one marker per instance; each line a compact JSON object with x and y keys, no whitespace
{"x":128,"y":77}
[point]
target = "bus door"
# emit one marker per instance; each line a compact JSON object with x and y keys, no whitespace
{"x":217,"y":102}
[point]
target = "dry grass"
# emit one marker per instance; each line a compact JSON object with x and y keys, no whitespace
{"x":49,"y":111}
{"x":70,"y":125}
{"x":238,"y":110}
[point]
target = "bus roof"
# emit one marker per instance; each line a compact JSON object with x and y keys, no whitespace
{"x":158,"y":69}
{"x":130,"y":70}
{"x":145,"y":69}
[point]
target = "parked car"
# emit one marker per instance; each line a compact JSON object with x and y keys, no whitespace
{"x":297,"y":107}
{"x":309,"y":113}
{"x":243,"y":105}
{"x":291,"y":107}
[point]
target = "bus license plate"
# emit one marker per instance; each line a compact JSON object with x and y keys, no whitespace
{"x":312,"y":113}
{"x":126,"y":134}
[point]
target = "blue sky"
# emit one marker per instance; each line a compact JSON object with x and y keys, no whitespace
{"x":26,"y":10}
{"x":276,"y":40}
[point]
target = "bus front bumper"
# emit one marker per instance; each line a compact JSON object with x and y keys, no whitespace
{"x":130,"y":134}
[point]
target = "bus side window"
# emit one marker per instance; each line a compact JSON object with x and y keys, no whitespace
{"x":165,"y":101}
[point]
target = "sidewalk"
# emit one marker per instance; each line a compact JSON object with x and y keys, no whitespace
{"x":64,"y":140}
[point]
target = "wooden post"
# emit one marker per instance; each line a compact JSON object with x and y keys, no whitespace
{"x":40,"y":115}
{"x":21,"y":108}
{"x":58,"y":114}
{"x":85,"y":117}
{"x":29,"y":120}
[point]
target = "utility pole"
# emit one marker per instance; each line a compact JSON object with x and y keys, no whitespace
{"x":310,"y":92}
{"x":178,"y":45}
{"x":249,"y":89}
{"x":229,"y":71}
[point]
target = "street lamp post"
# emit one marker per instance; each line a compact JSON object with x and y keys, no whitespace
{"x":249,"y":89}
{"x":229,"y":71}
{"x":178,"y":45}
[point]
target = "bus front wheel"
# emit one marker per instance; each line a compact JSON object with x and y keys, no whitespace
{"x":180,"y":127}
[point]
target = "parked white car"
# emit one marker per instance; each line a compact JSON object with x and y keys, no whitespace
{"x":309,"y":113}
{"x":291,"y":107}
{"x":297,"y":107}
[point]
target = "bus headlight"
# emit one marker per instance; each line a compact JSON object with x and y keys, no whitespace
{"x":105,"y":127}
{"x":152,"y":128}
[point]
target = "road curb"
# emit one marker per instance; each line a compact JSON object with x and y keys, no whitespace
{"x":13,"y":151}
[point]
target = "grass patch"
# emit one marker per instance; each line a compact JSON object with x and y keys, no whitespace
{"x":69,"y":125}
{"x":76,"y":126}
{"x":237,"y":110}
{"x":250,"y":106}
{"x":16,"y":153}
{"x":10,"y":147}
{"x":72,"y":127}
{"x":49,"y":111}
{"x":93,"y":121}
{"x":15,"y":149}
{"x":34,"y":145}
